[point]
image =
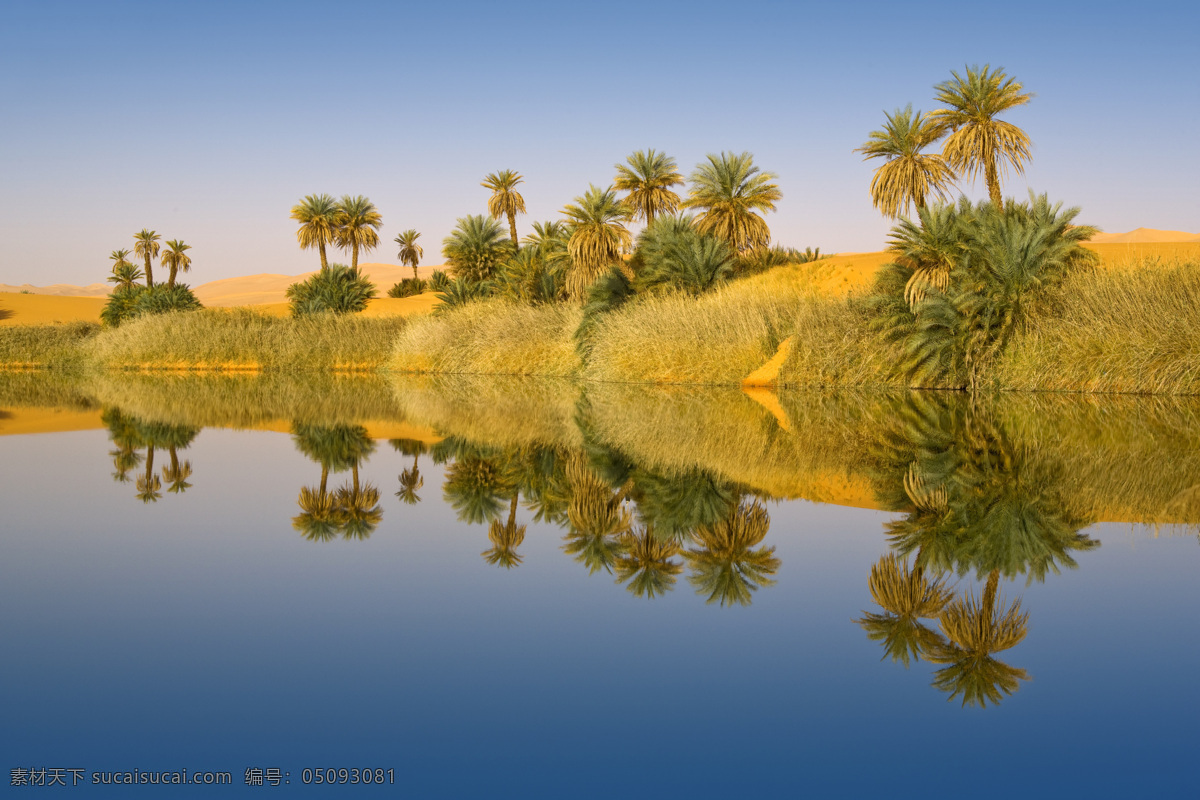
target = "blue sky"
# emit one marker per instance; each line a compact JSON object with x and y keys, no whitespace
{"x":208,"y":121}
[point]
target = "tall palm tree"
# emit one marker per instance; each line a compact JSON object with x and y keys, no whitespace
{"x":505,"y":200}
{"x":476,"y":247}
{"x":358,"y":222}
{"x":728,"y":566}
{"x":505,"y":538}
{"x":978,"y":142}
{"x":598,"y":236}
{"x":730,"y":189}
{"x":317,"y":215}
{"x":975,"y":630}
{"x":145,"y":244}
{"x":176,"y":259}
{"x":906,"y":597}
{"x":908,"y":177}
{"x":410,"y":252}
{"x":648,"y":178}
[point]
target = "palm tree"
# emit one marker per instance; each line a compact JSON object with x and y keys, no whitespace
{"x":176,"y":259}
{"x":908,"y":177}
{"x":975,"y":630}
{"x":357,"y":224}
{"x":727,"y":566}
{"x":124,"y":273}
{"x":598,"y":236}
{"x":979,"y":142}
{"x":474,"y":486}
{"x":476,"y":247}
{"x":730,"y":189}
{"x":647,"y":563}
{"x":149,"y":487}
{"x":597,"y":521}
{"x":317,"y":215}
{"x":505,"y":538}
{"x":505,"y":200}
{"x":410,"y":479}
{"x":320,"y":517}
{"x":359,"y":505}
{"x":145,"y":244}
{"x":648,"y":179}
{"x":177,"y":474}
{"x":907,"y":597}
{"x":336,"y":448}
{"x":410,"y":252}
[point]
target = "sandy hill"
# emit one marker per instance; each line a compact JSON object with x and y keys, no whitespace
{"x":267,"y":288}
{"x":39,"y":309}
{"x":1145,"y":236}
{"x":61,"y":289}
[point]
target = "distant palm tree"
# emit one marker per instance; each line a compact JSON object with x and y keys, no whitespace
{"x":978,"y":142}
{"x":176,"y":259}
{"x":505,"y":200}
{"x":647,"y":563}
{"x":146,"y":245}
{"x":908,"y":177}
{"x":505,"y":538}
{"x":975,"y":630}
{"x":728,"y":566}
{"x":476,"y":247}
{"x":357,"y":224}
{"x":124,"y":273}
{"x":596,"y":221}
{"x":730,"y":189}
{"x":317,"y":215}
{"x":907,"y":597}
{"x":410,"y":252}
{"x":648,"y":178}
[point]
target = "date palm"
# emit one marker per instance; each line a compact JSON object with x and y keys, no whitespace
{"x":598,"y":236}
{"x":908,"y":177}
{"x":476,"y":248}
{"x":359,"y":504}
{"x":505,"y":538}
{"x":176,"y":259}
{"x":358,"y":222}
{"x":647,"y":563}
{"x":648,"y":179}
{"x":318,"y":218}
{"x":410,"y":252}
{"x":906,"y":597}
{"x":505,"y":201}
{"x":596,"y":519}
{"x":410,"y":479}
{"x":732,"y":192}
{"x":124,"y":273}
{"x":978,"y":142}
{"x":728,"y":566}
{"x":145,"y":244}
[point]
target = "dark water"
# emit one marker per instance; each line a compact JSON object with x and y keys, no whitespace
{"x":666,"y":610}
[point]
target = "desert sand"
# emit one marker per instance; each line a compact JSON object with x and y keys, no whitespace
{"x":1145,"y":236}
{"x":41,"y":309}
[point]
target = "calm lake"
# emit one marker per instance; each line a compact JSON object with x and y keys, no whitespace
{"x":478,"y":587}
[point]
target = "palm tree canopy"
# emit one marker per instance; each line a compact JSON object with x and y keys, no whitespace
{"x":175,"y":258}
{"x":505,"y":201}
{"x":596,"y":221}
{"x":978,"y":142}
{"x":410,"y":252}
{"x":908,"y":177}
{"x":358,"y":222}
{"x":476,"y":247}
{"x":730,"y":190}
{"x":728,"y":566}
{"x":125,"y":274}
{"x":119,"y":257}
{"x":318,"y":218}
{"x":648,"y":179}
{"x":145,"y":244}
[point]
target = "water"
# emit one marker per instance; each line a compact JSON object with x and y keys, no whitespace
{"x":240,"y":623}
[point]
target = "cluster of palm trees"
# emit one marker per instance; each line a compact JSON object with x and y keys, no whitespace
{"x":976,"y":142}
{"x":351,"y":223}
{"x":147,"y":246}
{"x":351,"y":511}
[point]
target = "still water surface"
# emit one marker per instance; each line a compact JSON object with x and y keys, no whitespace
{"x":528,"y":589}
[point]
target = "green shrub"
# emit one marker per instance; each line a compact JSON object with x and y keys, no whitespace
{"x":129,"y":302}
{"x":408,"y":287}
{"x":338,"y":289}
{"x":460,"y":291}
{"x":438,"y":281}
{"x":530,"y":277}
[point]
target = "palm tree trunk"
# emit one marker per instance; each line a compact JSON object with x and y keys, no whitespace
{"x":174,"y":461}
{"x":149,"y":463}
{"x":512,"y":229}
{"x":171,"y":279}
{"x":149,"y":273}
{"x":512,"y":511}
{"x":989,"y":592}
{"x":324,"y":478}
{"x":324,"y":262}
{"x":993,"y":184}
{"x":354,"y":256}
{"x":414,"y":266}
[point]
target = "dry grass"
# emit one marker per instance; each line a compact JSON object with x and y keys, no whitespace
{"x":1128,"y":330}
{"x":46,"y":346}
{"x":245,"y":340}
{"x":495,"y":337}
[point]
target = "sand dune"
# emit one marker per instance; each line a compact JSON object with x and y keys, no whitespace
{"x":39,"y":309}
{"x":270,"y":289}
{"x":61,"y":289}
{"x":1145,"y":236}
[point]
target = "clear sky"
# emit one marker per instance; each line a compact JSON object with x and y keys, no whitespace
{"x":208,"y":121}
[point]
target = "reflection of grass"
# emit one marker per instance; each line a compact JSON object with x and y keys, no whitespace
{"x":220,"y":339}
{"x":492,"y":338}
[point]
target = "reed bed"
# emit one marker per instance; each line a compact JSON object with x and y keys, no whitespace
{"x":239,"y":339}
{"x":46,"y":346}
{"x":496,"y":337}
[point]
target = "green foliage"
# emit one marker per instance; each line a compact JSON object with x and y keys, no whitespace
{"x":338,"y":289}
{"x":58,"y":346}
{"x":129,"y":302}
{"x":121,"y":304}
{"x":907,"y":177}
{"x":608,"y":293}
{"x":408,"y":287}
{"x":476,"y":248}
{"x":438,"y":281}
{"x":461,"y":291}
{"x":675,"y":256}
{"x":532,"y":277}
{"x":732,"y":193}
{"x":965,"y":282}
{"x":761,"y":259}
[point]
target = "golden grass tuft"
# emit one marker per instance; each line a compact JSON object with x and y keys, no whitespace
{"x":495,"y":337}
{"x":240,"y":340}
{"x":46,"y":346}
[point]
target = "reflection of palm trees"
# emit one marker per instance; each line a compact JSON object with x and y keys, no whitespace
{"x":975,"y":630}
{"x":474,"y":487}
{"x":505,"y":538}
{"x":149,"y":487}
{"x":351,"y":510}
{"x":907,"y":597}
{"x":647,"y":564}
{"x":177,"y":474}
{"x":361,"y":513}
{"x":596,"y":520}
{"x":320,"y":517}
{"x":728,"y":566}
{"x":410,"y":479}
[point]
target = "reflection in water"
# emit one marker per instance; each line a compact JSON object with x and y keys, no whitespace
{"x":505,"y":538}
{"x":410,"y":479}
{"x":647,"y":564}
{"x":728,"y":566}
{"x":351,"y":511}
{"x":129,"y":434}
